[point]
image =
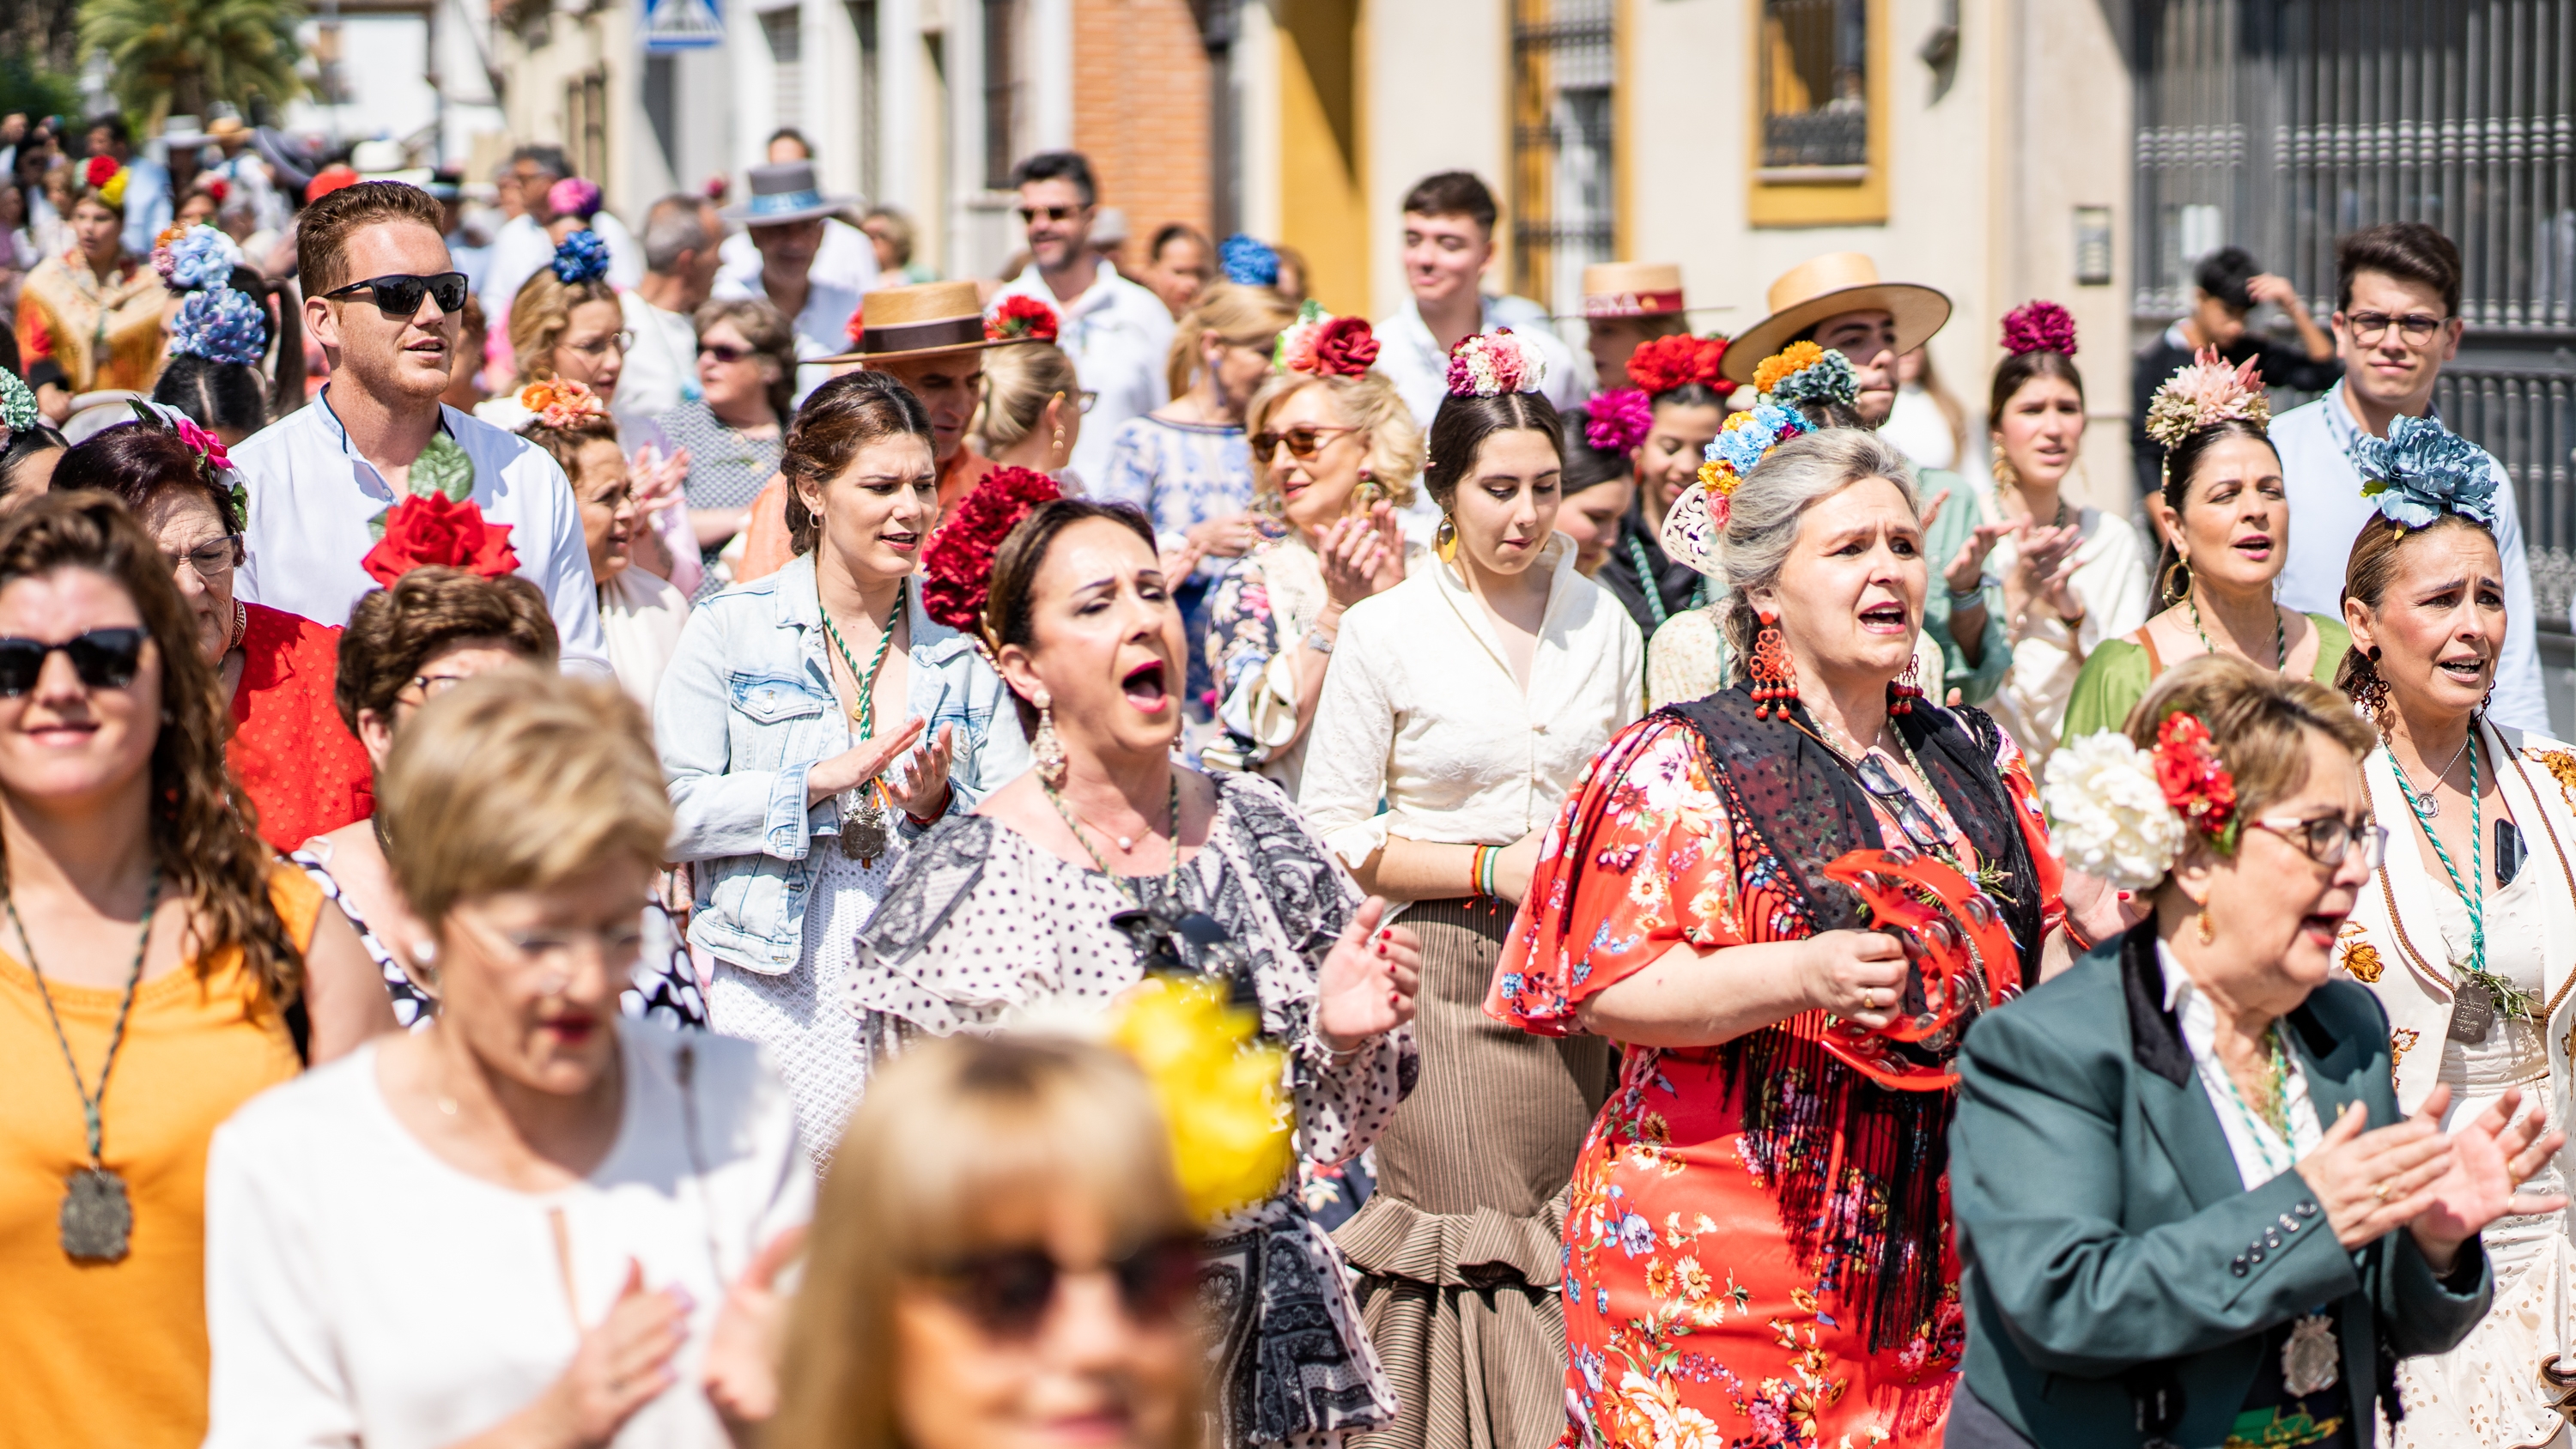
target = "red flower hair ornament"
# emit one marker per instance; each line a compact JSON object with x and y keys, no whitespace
{"x":1669,"y":364}
{"x":1323,"y":345}
{"x":957,"y":567}
{"x":2196,"y":784}
{"x":431,"y":528}
{"x":1019,"y":318}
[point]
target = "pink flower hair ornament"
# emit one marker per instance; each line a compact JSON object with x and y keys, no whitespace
{"x":2205,"y":394}
{"x":1618,"y":420}
{"x":561,"y":403}
{"x":1320,"y":344}
{"x":1491,"y":364}
{"x":2039,"y":326}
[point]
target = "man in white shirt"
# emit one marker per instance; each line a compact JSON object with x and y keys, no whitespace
{"x":1448,"y":242}
{"x":786,"y":215}
{"x":846,"y":259}
{"x":523,"y":246}
{"x":2396,"y":321}
{"x":680,"y":235}
{"x":1118,"y":334}
{"x":320,"y":479}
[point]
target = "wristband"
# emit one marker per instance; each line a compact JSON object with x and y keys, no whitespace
{"x":1319,"y":641}
{"x":1962,"y":598}
{"x":1486,"y":856}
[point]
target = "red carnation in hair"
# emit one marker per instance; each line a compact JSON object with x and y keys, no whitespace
{"x":1669,"y":364}
{"x":1021,"y":318}
{"x":957,"y":568}
{"x":2039,"y":327}
{"x":1344,"y":347}
{"x":99,"y":170}
{"x":2195,"y":783}
{"x":853,"y":328}
{"x":431,"y":528}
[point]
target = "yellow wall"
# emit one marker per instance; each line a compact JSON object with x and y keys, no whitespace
{"x":1324,"y":214}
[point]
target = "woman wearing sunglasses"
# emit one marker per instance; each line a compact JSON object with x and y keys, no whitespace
{"x":2194,"y":1208}
{"x":1468,"y":699}
{"x":533,"y":1222}
{"x":298,"y":764}
{"x":1758,"y":1233}
{"x":158,"y":968}
{"x":1335,"y":455}
{"x":1003,"y":1257}
{"x":734,"y":431}
{"x":2470,"y":943}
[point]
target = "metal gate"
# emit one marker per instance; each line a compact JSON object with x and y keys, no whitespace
{"x":2280,"y":125}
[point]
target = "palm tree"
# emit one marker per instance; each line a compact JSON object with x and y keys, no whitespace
{"x":179,"y":56}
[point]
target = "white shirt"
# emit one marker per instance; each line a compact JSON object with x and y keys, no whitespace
{"x":2110,"y":585}
{"x":822,"y":329}
{"x":661,"y":365}
{"x":2260,"y":1153}
{"x":846,"y":259}
{"x":312,"y":499}
{"x":1414,"y":362}
{"x":523,"y":248}
{"x":1119,"y":336}
{"x":360,"y":1290}
{"x":2327,"y":512}
{"x":1420,"y":710}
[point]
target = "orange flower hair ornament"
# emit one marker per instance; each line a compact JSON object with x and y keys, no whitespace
{"x":561,"y":403}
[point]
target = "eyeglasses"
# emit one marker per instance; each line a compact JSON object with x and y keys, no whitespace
{"x":2329,"y":838}
{"x":1008,"y":1292}
{"x":2369,"y":327}
{"x":399,"y":296}
{"x":1911,"y":816}
{"x":431,"y":686}
{"x":213,"y":559}
{"x":621,"y":341}
{"x":724,"y":352}
{"x":1087,"y":398}
{"x":1029,"y":215}
{"x":1304,"y":441}
{"x":103,"y":658}
{"x":548,"y":952}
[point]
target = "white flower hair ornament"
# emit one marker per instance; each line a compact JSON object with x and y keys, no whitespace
{"x":2124,"y":814}
{"x":1490,"y":364}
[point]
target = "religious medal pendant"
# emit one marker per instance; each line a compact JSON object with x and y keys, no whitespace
{"x":865,"y":832}
{"x":2473,"y":1013}
{"x":2311,"y":1362}
{"x":97,"y":1217}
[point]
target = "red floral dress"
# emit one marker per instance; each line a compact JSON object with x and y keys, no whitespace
{"x":292,"y":753}
{"x":1695,"y":1317}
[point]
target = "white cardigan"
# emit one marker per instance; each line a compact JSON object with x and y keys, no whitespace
{"x":1420,"y":711}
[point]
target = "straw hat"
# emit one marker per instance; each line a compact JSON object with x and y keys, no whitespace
{"x":923,"y":320}
{"x":1632,"y":289}
{"x":183,"y":131}
{"x":1829,"y":286}
{"x":786,"y":192}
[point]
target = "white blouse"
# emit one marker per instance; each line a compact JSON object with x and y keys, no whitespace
{"x":1421,"y":712}
{"x":2110,"y":583}
{"x":2257,"y":1147}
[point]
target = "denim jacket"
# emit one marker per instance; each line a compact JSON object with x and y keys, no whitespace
{"x":746,"y":708}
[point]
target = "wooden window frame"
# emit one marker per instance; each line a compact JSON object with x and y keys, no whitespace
{"x":1791,"y":196}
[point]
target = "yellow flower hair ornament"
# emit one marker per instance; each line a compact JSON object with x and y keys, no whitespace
{"x":1220,"y":1087}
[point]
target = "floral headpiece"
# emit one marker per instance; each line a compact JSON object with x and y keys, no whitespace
{"x":2123,"y":813}
{"x":1692,"y":531}
{"x":107,"y":178}
{"x":1325,"y":345}
{"x":1668,"y":364}
{"x":2204,"y":394}
{"x":1018,"y":318}
{"x":220,"y":325}
{"x":1490,"y":364}
{"x":2423,"y":470}
{"x":560,"y":403}
{"x":1248,"y":261}
{"x":17,"y":403}
{"x":427,"y":529}
{"x":573,"y":196}
{"x":1803,"y":373}
{"x":212,"y":460}
{"x":2039,"y":326}
{"x":1618,"y":420}
{"x":191,"y":257}
{"x":957,"y":567}
{"x":583,"y":257}
{"x":1219,"y":1087}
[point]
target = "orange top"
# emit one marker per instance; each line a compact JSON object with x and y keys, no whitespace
{"x":115,"y":1353}
{"x":767,"y":550}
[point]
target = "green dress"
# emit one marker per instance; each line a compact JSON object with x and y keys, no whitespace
{"x":2115,"y":678}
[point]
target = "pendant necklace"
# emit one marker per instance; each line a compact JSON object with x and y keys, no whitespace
{"x":865,"y":831}
{"x":2280,"y":644}
{"x":97,"y":1218}
{"x":2311,"y":1359}
{"x":2481,"y":995}
{"x":2431,"y":807}
{"x":1171,"y":873}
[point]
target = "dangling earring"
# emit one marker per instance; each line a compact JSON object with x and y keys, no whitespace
{"x":1367,"y":493}
{"x":2180,"y":566}
{"x":2206,"y":934}
{"x":1058,"y":448}
{"x":1902,"y":693}
{"x":2002,"y":468}
{"x":1775,"y":681}
{"x":1444,"y":540}
{"x":2370,"y":691}
{"x":1047,"y":750}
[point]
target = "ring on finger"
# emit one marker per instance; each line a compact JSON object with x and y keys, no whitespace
{"x":1869,"y":998}
{"x":2379,"y":1190}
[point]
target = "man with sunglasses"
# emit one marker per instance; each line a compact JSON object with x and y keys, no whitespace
{"x":2396,"y":321}
{"x":1117,"y":332}
{"x":384,"y":301}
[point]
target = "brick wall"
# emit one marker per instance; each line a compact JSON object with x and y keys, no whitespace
{"x":1140,"y":112}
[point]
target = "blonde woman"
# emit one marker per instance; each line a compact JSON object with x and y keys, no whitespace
{"x":1031,"y":415}
{"x":1335,"y":455}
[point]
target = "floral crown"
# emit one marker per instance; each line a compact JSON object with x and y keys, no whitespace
{"x":560,"y":403}
{"x":2204,"y":394}
{"x":2123,"y":813}
{"x":2039,"y":326}
{"x":220,"y":325}
{"x":1803,"y":374}
{"x":1692,"y":531}
{"x":1490,"y":364}
{"x":1324,"y":345}
{"x":582,"y":257}
{"x":574,"y":196}
{"x":107,"y":178}
{"x":957,"y":567}
{"x":1018,"y":317}
{"x":2423,"y":470}
{"x":1618,"y":420}
{"x":17,"y":403}
{"x":1248,"y":261}
{"x":1668,"y":364}
{"x":192,"y":257}
{"x":1219,"y":1088}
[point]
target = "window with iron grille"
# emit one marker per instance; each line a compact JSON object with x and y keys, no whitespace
{"x":1001,"y":90}
{"x":785,"y":32}
{"x":1815,"y":83}
{"x":1563,"y":202}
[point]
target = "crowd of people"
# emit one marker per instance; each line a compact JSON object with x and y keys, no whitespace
{"x":693,"y":835}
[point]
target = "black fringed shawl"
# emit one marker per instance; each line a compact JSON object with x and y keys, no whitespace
{"x":1884,"y":1254}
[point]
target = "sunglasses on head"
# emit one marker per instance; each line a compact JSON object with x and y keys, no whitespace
{"x":400,"y":296}
{"x":1304,"y":440}
{"x":103,"y":658}
{"x":1009,"y":1290}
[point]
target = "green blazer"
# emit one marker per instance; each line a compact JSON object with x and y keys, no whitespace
{"x":2110,"y":1252}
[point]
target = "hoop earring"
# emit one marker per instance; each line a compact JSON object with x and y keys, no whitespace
{"x":1904,"y":690}
{"x":2182,"y":566}
{"x":1444,"y":539}
{"x":1046,"y":751}
{"x":1775,"y":679}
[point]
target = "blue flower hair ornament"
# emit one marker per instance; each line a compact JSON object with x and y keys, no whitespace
{"x":2423,"y":470}
{"x":1248,"y":261}
{"x":220,"y":325}
{"x":583,"y":257}
{"x":198,"y":257}
{"x":17,"y":403}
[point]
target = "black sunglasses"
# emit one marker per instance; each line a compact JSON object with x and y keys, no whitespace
{"x":1008,"y":1291}
{"x":103,"y":658}
{"x":400,"y":296}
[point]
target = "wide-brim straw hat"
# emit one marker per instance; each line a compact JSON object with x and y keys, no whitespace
{"x":1632,"y":289}
{"x":922,"y":320}
{"x":1829,"y":286}
{"x":784,"y":193}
